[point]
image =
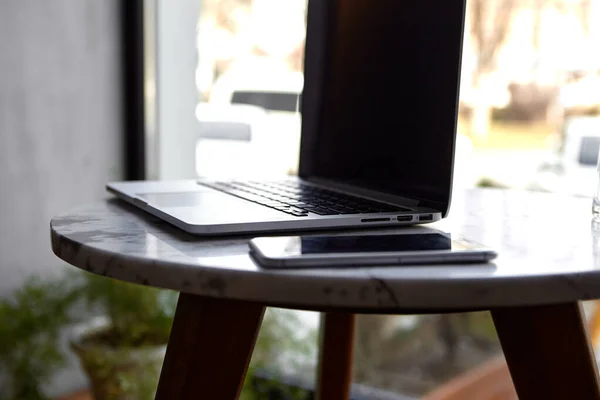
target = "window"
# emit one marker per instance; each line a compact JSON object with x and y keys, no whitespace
{"x":250,"y":75}
{"x":228,"y":81}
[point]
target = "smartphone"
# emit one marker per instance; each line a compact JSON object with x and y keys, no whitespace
{"x":363,"y":250}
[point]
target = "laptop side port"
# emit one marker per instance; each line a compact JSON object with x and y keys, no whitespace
{"x":375,"y":220}
{"x":404,"y":218}
{"x":426,"y":217}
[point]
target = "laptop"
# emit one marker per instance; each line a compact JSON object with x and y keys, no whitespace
{"x":379,"y":113}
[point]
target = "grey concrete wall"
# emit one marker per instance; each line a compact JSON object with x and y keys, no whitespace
{"x":60,"y":121}
{"x":60,"y":124}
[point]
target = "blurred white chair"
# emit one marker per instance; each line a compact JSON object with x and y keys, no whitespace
{"x":229,"y":140}
{"x":465,"y":176}
{"x":270,"y":84}
{"x":273,"y":148}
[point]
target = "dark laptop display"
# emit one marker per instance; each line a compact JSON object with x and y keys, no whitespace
{"x":381,"y":95}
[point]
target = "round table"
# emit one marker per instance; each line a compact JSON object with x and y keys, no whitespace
{"x":549,"y":260}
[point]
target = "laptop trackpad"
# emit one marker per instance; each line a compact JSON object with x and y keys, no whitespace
{"x":211,"y":207}
{"x":181,"y":199}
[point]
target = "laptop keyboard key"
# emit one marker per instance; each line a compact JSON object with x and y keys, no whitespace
{"x":320,"y":211}
{"x":299,"y":214}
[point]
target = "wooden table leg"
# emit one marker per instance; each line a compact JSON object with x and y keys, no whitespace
{"x":335,"y":357}
{"x":209,"y":348}
{"x":548,"y":352}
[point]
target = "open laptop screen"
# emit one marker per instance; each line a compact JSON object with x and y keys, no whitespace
{"x":381,"y":95}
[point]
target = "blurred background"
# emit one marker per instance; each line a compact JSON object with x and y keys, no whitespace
{"x":95,"y":91}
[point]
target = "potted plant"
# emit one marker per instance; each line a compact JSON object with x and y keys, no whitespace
{"x":122,"y":352}
{"x":31,"y":320}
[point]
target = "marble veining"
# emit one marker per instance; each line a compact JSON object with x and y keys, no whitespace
{"x":549,"y":253}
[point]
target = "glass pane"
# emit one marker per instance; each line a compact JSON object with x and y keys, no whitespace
{"x":414,"y":355}
{"x":530,"y":93}
{"x":249,"y":78}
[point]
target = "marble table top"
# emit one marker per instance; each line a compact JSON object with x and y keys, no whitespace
{"x":549,"y":252}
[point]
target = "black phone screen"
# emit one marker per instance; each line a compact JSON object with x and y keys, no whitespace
{"x":374,"y":243}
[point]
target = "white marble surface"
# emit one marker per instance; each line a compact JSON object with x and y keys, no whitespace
{"x":548,"y":254}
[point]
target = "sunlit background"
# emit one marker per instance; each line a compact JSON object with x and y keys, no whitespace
{"x":529,"y":91}
{"x":222,"y":86}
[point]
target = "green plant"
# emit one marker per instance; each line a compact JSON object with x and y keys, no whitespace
{"x":123,"y":356}
{"x":138,"y":315}
{"x":30,"y":324}
{"x":490,"y":183}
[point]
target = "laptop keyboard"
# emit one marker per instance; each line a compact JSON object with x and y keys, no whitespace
{"x":298,"y":199}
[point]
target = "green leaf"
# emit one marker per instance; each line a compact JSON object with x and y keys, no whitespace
{"x":30,"y":323}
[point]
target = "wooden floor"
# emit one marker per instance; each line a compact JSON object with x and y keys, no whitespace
{"x":82,"y":395}
{"x":490,"y":381}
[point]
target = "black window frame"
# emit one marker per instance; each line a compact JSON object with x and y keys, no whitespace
{"x":132,"y":55}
